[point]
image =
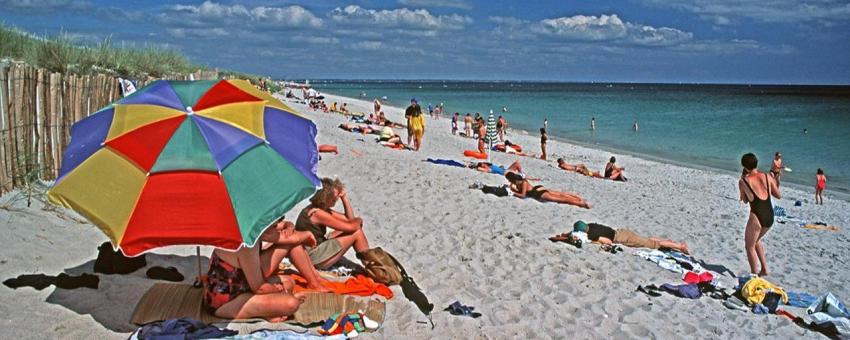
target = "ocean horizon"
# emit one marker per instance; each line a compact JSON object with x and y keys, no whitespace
{"x":697,"y":125}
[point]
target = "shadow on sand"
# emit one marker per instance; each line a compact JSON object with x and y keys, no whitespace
{"x":112,"y":304}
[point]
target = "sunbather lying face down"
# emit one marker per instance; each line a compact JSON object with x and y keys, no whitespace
{"x":606,"y":235}
{"x":522,"y":188}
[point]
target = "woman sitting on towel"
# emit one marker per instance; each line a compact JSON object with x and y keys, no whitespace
{"x":244,"y":284}
{"x":522,"y":189}
{"x":613,"y":171}
{"x":346,"y":228}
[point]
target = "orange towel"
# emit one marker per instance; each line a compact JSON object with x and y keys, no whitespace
{"x":358,"y":285}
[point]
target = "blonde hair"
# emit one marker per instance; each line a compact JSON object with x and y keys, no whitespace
{"x":324,"y":197}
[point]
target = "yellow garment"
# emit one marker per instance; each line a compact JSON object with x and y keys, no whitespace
{"x":756,"y":288}
{"x":416,"y":123}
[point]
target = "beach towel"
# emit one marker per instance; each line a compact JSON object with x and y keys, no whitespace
{"x":449,"y":162}
{"x":183,"y":328}
{"x":267,"y":334}
{"x":359,"y":285}
{"x":165,"y":301}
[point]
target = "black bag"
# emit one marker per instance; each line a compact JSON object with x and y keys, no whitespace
{"x":498,"y":191}
{"x":412,"y":291}
{"x":114,"y":262}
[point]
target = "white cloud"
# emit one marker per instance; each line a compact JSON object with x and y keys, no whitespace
{"x":722,"y":12}
{"x":605,"y":28}
{"x":368,"y":45}
{"x":211,"y":14}
{"x":44,"y":5}
{"x":462,"y":4}
{"x":198,"y":33}
{"x":582,"y":27}
{"x":315,"y":40}
{"x":401,"y":18}
{"x":660,"y":36}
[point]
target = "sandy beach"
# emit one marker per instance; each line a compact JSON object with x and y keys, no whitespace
{"x":489,"y":252}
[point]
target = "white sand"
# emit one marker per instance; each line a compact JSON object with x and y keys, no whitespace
{"x":485,"y":251}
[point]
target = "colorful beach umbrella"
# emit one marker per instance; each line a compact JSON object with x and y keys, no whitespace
{"x":188,"y":163}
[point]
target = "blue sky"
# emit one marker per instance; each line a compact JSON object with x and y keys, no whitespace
{"x":695,"y":41}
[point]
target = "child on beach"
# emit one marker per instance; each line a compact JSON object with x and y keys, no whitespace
{"x":454,"y":123}
{"x":543,"y":138}
{"x":754,"y":185}
{"x":776,"y":167}
{"x":820,"y":186}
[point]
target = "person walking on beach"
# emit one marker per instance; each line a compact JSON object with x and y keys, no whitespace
{"x":500,"y":128}
{"x":431,"y":110}
{"x":454,"y":123}
{"x":593,"y":123}
{"x":543,"y":139}
{"x":756,"y":188}
{"x":776,"y":168}
{"x":377,"y":106}
{"x":415,"y":124}
{"x":820,"y":186}
{"x":467,"y":125}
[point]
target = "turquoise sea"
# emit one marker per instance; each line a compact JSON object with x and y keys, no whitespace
{"x":700,"y":125}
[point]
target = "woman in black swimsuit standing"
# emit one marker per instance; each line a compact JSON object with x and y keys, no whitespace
{"x":754,"y":185}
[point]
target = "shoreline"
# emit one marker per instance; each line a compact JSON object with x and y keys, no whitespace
{"x":830,"y":192}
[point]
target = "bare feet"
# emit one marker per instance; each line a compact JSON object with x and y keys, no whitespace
{"x":763,"y":273}
{"x":277,"y":319}
{"x":586,"y":205}
{"x":319,"y":288}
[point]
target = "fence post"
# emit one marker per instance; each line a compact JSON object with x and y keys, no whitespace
{"x":5,"y":184}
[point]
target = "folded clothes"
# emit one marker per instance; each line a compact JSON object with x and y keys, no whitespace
{"x":456,"y":308}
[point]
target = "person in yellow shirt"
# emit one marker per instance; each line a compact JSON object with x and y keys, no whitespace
{"x":415,"y":124}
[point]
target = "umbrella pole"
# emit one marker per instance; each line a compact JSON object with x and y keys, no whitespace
{"x":198,"y":283}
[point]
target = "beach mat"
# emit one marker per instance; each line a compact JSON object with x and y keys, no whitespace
{"x":173,"y":300}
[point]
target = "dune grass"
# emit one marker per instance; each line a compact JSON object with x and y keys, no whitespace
{"x":63,"y":54}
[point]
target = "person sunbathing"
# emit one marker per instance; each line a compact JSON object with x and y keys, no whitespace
{"x":606,"y":235}
{"x":346,"y":228}
{"x":244,"y":284}
{"x":522,"y":188}
{"x":362,"y":128}
{"x":613,"y":171}
{"x":579,"y":168}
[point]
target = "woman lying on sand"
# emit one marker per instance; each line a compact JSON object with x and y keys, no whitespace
{"x":347,"y":229}
{"x":607,"y":236}
{"x":522,"y":189}
{"x":362,"y":128}
{"x":243,"y":284}
{"x":579,"y":168}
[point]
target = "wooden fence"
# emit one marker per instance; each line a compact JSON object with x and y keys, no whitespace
{"x":37,"y":109}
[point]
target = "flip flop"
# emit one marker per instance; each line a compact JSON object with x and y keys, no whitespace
{"x":650,"y":290}
{"x":167,"y":274}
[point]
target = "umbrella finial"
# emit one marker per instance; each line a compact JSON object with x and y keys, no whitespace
{"x":189,"y":110}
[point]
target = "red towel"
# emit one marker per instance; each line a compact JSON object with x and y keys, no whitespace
{"x":694,"y":278}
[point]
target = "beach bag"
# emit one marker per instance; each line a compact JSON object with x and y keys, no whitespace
{"x":110,"y":261}
{"x":409,"y":287}
{"x":380,"y":266}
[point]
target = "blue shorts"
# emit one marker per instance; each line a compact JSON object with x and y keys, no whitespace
{"x":495,"y":169}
